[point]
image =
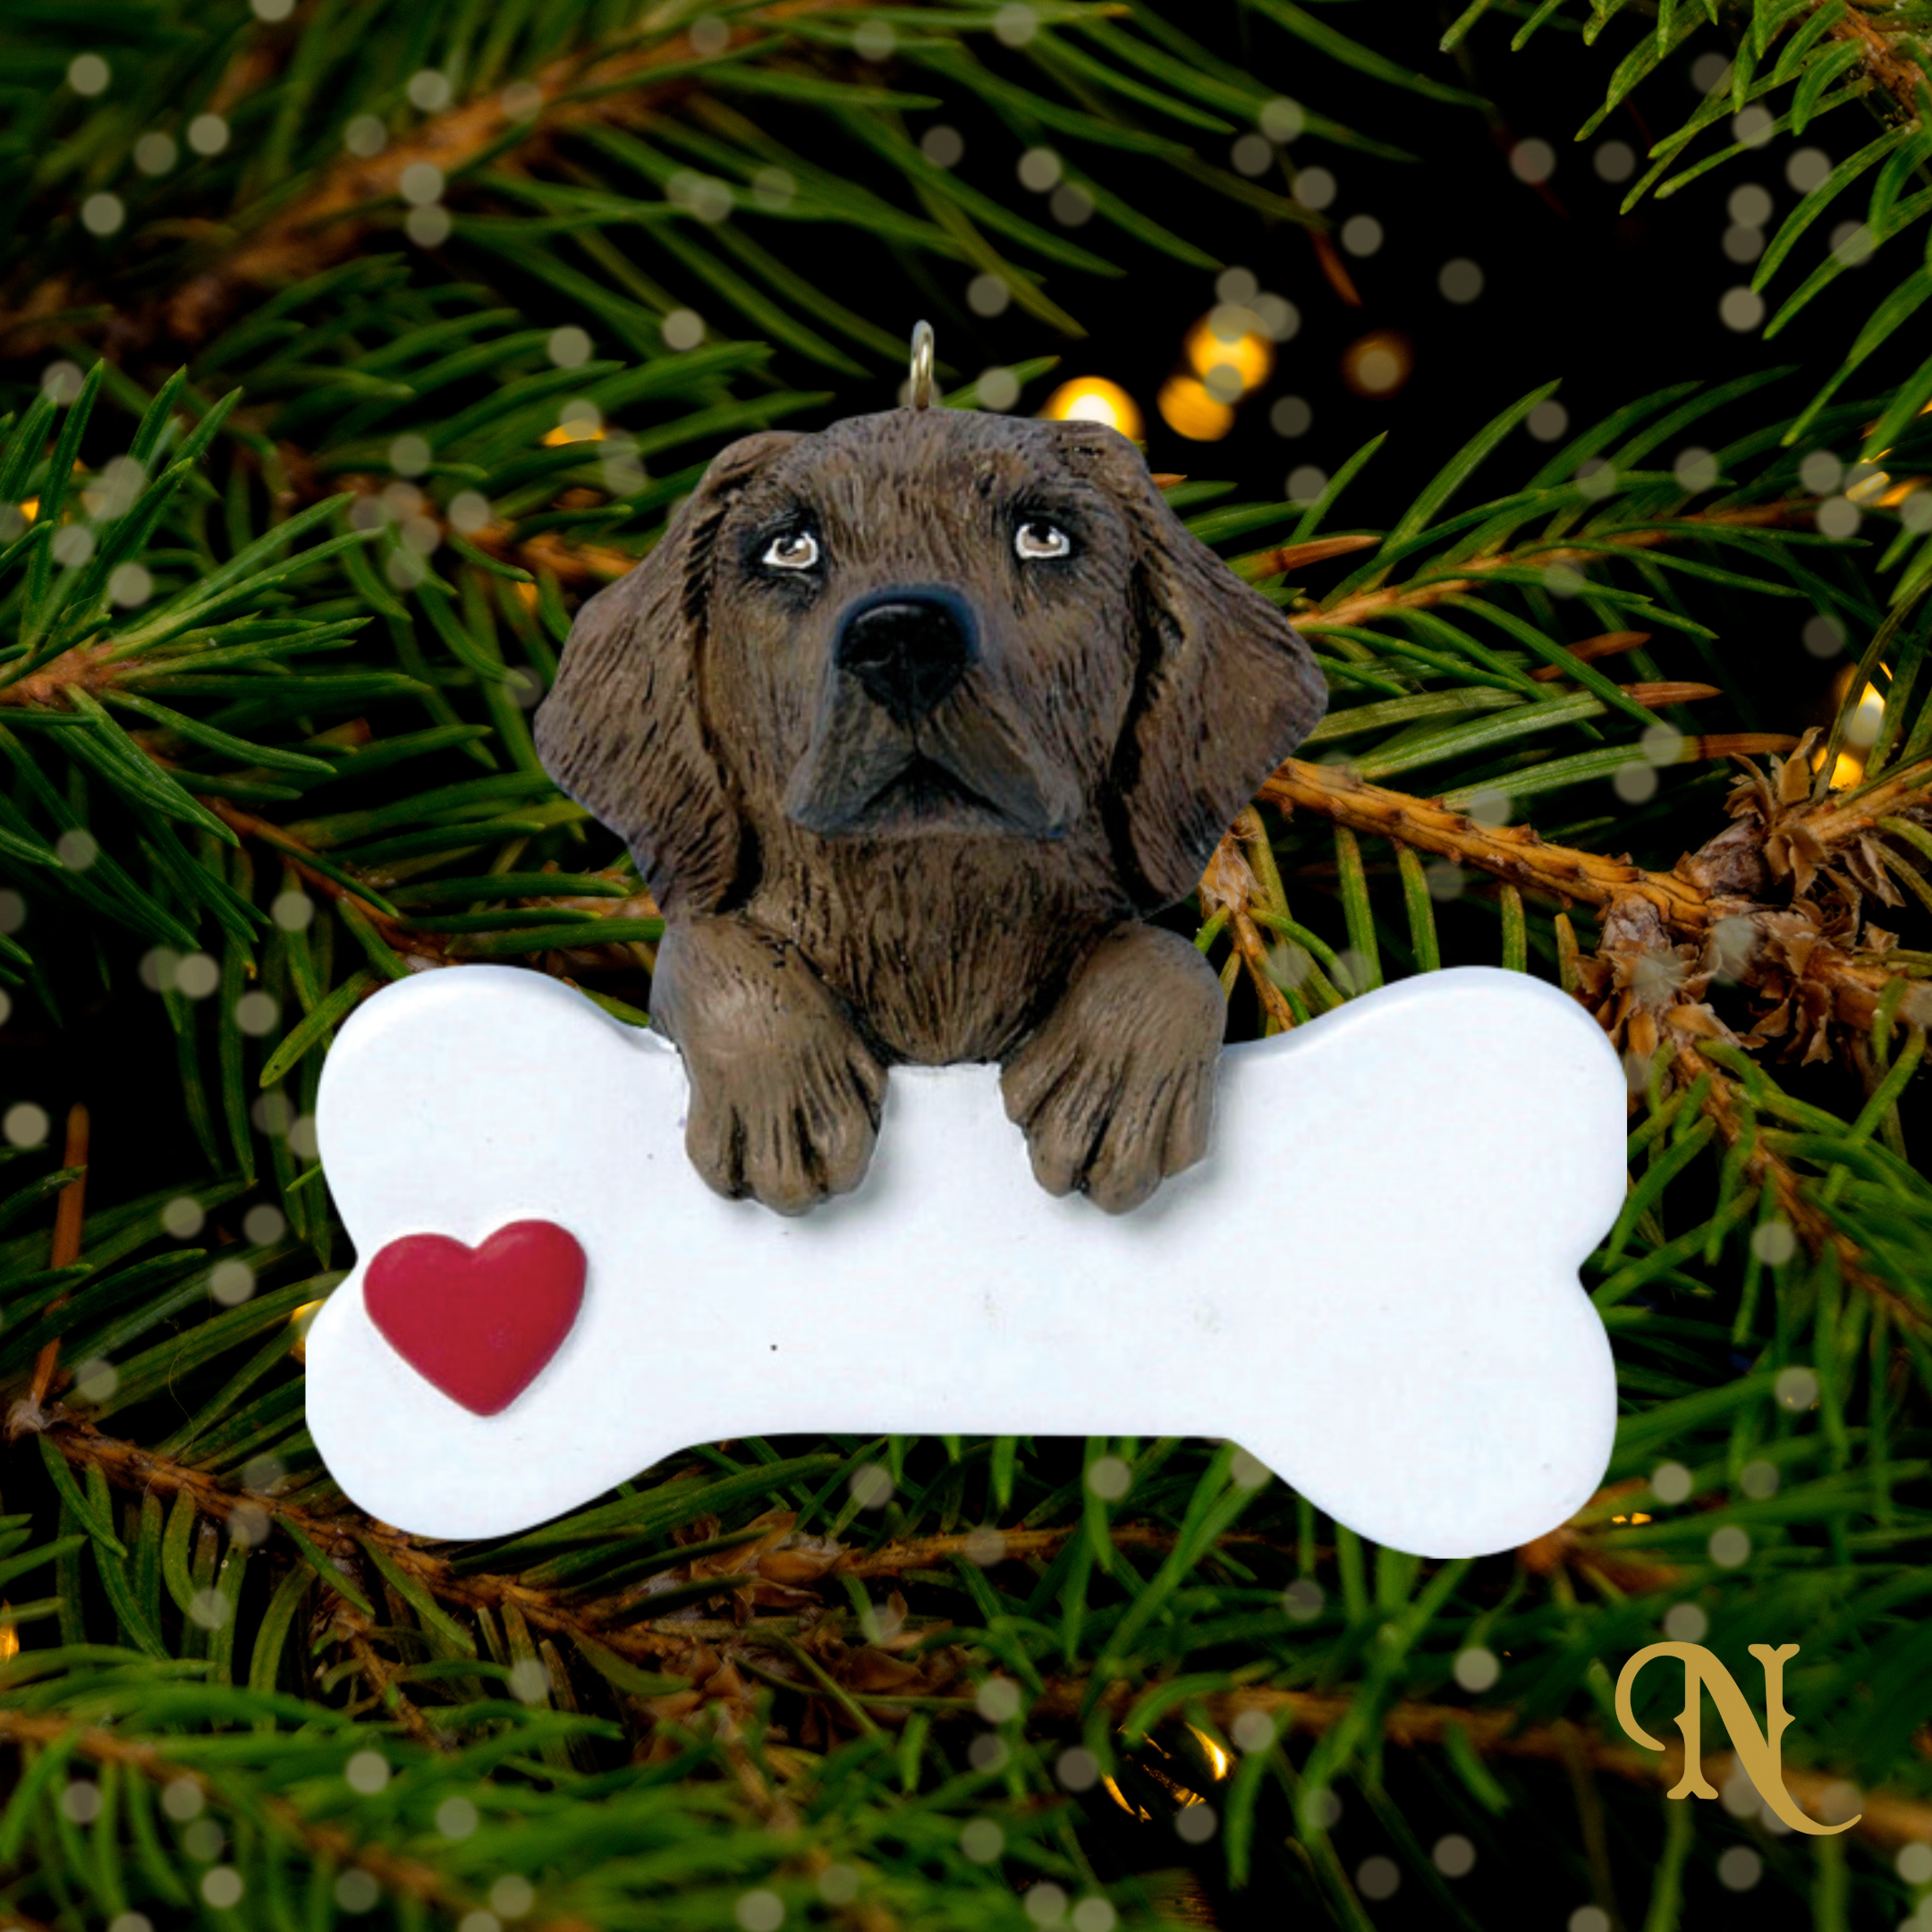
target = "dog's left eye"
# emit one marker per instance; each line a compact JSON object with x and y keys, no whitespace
{"x":794,"y":550}
{"x":1037,"y":538}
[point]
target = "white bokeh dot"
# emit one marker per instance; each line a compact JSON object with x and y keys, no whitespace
{"x":427,"y":226}
{"x":1741,"y":309}
{"x":1251,"y":155}
{"x":998,"y":1699}
{"x":207,"y":133}
{"x":88,"y":74}
{"x":1281,"y":119}
{"x":760,"y":1911}
{"x":231,"y":1282}
{"x":255,"y":1013}
{"x":1016,"y":23}
{"x":1730,"y":1547}
{"x":1045,"y":1903}
{"x":1378,"y":1878}
{"x":1532,"y":161}
{"x":1807,"y":169}
{"x":1315,"y":187}
{"x":181,"y":1798}
{"x":1671,"y":1482}
{"x":942,"y":145}
{"x":511,"y":1895}
{"x":1290,"y":416}
{"x":1477,"y":1668}
{"x":1739,"y":1868}
{"x":987,"y":295}
{"x":263,"y":1225}
{"x":1796,"y":1388}
{"x":1197,"y":1823}
{"x":222,"y":1886}
{"x":25,"y":1124}
{"x":428,"y":91}
{"x":871,"y":1486}
{"x":1460,"y":281}
{"x":1686,"y":1622}
{"x":981,"y":1841}
{"x":1548,"y":420}
{"x":367,"y":1773}
{"x":357,"y":1891}
{"x":1302,"y":1600}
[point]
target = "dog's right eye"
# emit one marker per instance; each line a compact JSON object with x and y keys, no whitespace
{"x":796,"y":549}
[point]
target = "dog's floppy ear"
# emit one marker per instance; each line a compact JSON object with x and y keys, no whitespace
{"x":1227,"y":687}
{"x":623,"y":731}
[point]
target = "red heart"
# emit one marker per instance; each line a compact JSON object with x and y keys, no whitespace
{"x":478,"y":1323}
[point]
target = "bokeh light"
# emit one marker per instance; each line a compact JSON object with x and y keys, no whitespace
{"x":1095,"y":399}
{"x":1190,"y":410}
{"x":1229,"y":352}
{"x":1378,"y":364}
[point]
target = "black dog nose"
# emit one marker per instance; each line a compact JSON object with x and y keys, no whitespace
{"x":907,"y":650}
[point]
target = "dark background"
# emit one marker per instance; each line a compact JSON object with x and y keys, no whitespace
{"x":1614,"y":305}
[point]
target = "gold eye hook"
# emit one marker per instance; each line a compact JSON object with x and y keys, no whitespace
{"x":922,"y":365}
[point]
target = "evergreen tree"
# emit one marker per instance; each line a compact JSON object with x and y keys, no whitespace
{"x":345,"y":346}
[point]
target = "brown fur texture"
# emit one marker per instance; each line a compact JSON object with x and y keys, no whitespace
{"x":910,"y":723}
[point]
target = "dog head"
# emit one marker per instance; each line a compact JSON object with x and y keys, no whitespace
{"x":925,"y":623}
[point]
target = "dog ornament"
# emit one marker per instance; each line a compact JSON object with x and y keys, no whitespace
{"x":914,"y":727}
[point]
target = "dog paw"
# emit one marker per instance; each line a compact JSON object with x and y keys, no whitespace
{"x":1115,"y":1090}
{"x":788,"y":1129}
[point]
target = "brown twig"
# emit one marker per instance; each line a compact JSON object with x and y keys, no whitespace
{"x":1418,"y":593}
{"x":70,"y":1218}
{"x":1888,"y":1820}
{"x":1880,"y":55}
{"x":407,"y":1877}
{"x":332,"y":218}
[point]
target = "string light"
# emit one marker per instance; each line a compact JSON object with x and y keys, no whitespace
{"x":1095,"y":399}
{"x":1861,"y":728}
{"x":1189,"y":410}
{"x":1230,"y":351}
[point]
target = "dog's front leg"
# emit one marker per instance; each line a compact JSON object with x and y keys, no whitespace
{"x":784,"y":1095}
{"x":1115,"y":1089}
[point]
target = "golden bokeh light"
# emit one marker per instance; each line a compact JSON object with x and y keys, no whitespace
{"x":1229,"y":352}
{"x":299,"y":1321}
{"x":1378,"y":364}
{"x":1188,"y":410}
{"x":577,"y":429}
{"x":1861,"y":729}
{"x":1095,"y":399}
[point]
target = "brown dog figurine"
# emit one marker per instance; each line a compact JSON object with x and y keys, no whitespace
{"x":910,"y":724}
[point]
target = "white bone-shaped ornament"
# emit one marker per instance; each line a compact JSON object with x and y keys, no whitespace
{"x":1370,"y":1282}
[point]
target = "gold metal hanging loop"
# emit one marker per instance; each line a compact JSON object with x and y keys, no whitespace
{"x":922,"y":365}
